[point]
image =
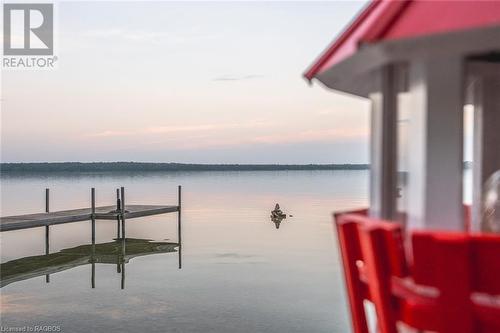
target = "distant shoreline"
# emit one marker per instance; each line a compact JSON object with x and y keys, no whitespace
{"x":9,"y":168}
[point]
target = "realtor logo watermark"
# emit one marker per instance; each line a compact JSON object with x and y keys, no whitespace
{"x":28,"y":36}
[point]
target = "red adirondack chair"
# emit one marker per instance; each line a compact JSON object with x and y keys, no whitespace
{"x":465,"y":268}
{"x":448,"y":286}
{"x":374,"y":261}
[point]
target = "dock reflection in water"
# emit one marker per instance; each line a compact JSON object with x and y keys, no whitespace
{"x":118,"y":252}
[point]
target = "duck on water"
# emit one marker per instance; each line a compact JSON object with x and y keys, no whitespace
{"x":277,"y":216}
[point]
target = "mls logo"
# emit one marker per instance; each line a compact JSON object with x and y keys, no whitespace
{"x":28,"y":29}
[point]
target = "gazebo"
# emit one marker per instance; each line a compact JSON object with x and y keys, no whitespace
{"x":421,"y":64}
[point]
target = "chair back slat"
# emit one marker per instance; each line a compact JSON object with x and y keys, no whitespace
{"x":350,"y":250}
{"x":372,"y":252}
{"x":460,"y":265}
{"x":486,"y":264}
{"x":422,"y":268}
{"x":378,"y":270}
{"x":394,"y":248}
{"x":452,"y":272}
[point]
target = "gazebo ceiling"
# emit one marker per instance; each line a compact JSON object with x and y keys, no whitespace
{"x":388,"y":20}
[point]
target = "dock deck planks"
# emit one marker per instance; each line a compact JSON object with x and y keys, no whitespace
{"x":18,"y":222}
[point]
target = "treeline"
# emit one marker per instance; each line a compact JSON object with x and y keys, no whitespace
{"x":149,"y":167}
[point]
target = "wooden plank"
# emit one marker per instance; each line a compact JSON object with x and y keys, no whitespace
{"x":77,"y":215}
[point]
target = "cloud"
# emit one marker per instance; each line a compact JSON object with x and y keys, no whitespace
{"x":133,"y":36}
{"x":313,"y":136}
{"x":325,"y":112}
{"x":110,"y":133}
{"x":180,"y":129}
{"x":208,"y":141}
{"x":237,"y":78}
{"x":104,"y":33}
{"x":221,"y":135}
{"x":150,"y":37}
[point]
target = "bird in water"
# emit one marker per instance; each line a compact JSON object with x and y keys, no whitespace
{"x":277,"y":216}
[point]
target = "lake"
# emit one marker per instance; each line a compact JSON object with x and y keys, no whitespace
{"x":239,"y":272}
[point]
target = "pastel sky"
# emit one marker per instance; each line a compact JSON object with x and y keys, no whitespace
{"x":185,"y":82}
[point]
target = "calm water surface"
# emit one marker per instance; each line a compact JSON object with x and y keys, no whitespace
{"x":239,"y":273}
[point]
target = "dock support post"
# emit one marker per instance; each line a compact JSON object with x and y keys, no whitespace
{"x":47,"y":239}
{"x":118,"y":210}
{"x":47,"y":277}
{"x":47,"y":200}
{"x":122,"y":190}
{"x":123,"y":210}
{"x":123,"y":241}
{"x":92,"y":200}
{"x":47,"y":227}
{"x":179,"y":224}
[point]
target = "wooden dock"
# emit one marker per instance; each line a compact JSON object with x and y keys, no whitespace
{"x":9,"y":223}
{"x":120,"y":213}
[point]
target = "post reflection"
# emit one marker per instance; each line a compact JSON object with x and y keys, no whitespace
{"x":92,"y":260}
{"x":118,"y":252}
{"x":123,"y":254}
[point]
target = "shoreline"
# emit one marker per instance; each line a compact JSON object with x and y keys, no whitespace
{"x":119,"y":167}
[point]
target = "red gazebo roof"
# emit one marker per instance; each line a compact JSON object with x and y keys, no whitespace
{"x":384,"y":20}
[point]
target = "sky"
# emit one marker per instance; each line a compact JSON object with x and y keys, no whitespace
{"x":185,"y":82}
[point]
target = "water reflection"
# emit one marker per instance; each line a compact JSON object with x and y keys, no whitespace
{"x":277,"y":221}
{"x":241,"y":277}
{"x":118,"y":252}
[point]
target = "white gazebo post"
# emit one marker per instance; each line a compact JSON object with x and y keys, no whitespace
{"x":486,"y":99}
{"x":383,"y":143}
{"x":436,"y":86}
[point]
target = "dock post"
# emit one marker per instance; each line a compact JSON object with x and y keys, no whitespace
{"x":179,"y":224}
{"x":122,"y":189}
{"x":118,"y":204}
{"x":123,"y":210}
{"x":92,"y":203}
{"x":92,"y":200}
{"x":47,"y":276}
{"x":46,"y":239}
{"x":46,"y":200}
{"x":123,"y":245}
{"x":47,"y":209}
{"x":47,"y":227}
{"x":118,"y":210}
